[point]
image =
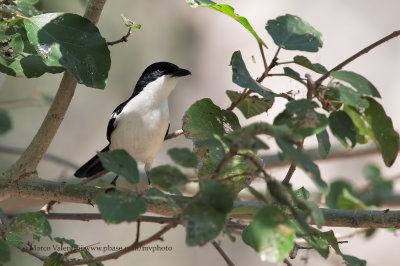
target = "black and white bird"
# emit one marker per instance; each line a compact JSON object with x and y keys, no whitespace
{"x":140,"y":124}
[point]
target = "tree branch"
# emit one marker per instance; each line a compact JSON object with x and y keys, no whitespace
{"x":222,"y":253}
{"x":355,"y":56}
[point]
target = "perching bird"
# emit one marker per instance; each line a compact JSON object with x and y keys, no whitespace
{"x":140,"y":124}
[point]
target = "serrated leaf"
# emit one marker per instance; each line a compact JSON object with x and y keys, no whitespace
{"x":71,"y":41}
{"x":339,"y":92}
{"x":343,"y":128}
{"x":5,"y":253}
{"x":303,"y":161}
{"x":116,"y":207}
{"x":183,"y":157}
{"x":167,"y":177}
{"x":5,"y":121}
{"x":32,"y":223}
{"x":301,"y":117}
{"x":121,"y":163}
{"x":293,"y":74}
{"x":228,"y":10}
{"x":14,"y":240}
{"x":292,"y":33}
{"x":217,"y":196}
{"x":361,"y":84}
{"x":270,"y":234}
{"x":251,"y":105}
{"x":324,"y":145}
{"x":305,"y":62}
{"x":241,"y":77}
{"x":385,"y":137}
{"x":202,"y":223}
{"x":54,"y":259}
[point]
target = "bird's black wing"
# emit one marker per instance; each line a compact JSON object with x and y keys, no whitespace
{"x":91,"y":167}
{"x":112,"y":123}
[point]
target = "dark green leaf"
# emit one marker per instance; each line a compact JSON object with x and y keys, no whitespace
{"x":202,"y":223}
{"x":292,"y":33}
{"x":183,"y":157}
{"x":293,"y":74}
{"x":241,"y":77}
{"x":305,"y":62}
{"x":270,"y":234}
{"x":302,"y":193}
{"x":5,"y":253}
{"x":303,"y":161}
{"x":324,"y":145}
{"x":228,"y":10}
{"x":69,"y":40}
{"x":339,"y":92}
{"x":335,"y":190}
{"x":32,"y":223}
{"x":5,"y":121}
{"x":217,"y":196}
{"x":14,"y":240}
{"x":167,"y":177}
{"x":116,"y":207}
{"x":301,"y":117}
{"x":385,"y":137}
{"x":251,"y":105}
{"x":347,"y":201}
{"x":379,"y":185}
{"x":353,"y":261}
{"x":363,"y":131}
{"x":343,"y":128}
{"x":361,"y":84}
{"x":121,"y":163}
{"x":62,"y":241}
{"x":54,"y":259}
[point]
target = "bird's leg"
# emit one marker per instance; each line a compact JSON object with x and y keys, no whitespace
{"x":147,"y":167}
{"x":114,"y":182}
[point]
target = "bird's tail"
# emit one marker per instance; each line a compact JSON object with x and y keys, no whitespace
{"x":91,"y":167}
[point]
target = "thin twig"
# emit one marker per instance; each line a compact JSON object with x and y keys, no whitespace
{"x":355,"y":56}
{"x":222,"y":253}
{"x":137,"y":231}
{"x":243,"y":96}
{"x":263,"y":57}
{"x":122,"y":39}
{"x":174,"y":135}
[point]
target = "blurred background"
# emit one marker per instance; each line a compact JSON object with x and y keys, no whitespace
{"x":203,"y":41}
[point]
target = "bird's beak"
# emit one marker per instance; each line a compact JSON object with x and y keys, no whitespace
{"x":181,"y":72}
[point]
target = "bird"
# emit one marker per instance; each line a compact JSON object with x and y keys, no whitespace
{"x":140,"y":124}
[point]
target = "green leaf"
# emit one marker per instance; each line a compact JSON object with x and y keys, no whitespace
{"x":363,"y":131}
{"x":116,"y":207}
{"x":5,"y":253}
{"x":301,"y":117}
{"x":183,"y":157}
{"x":270,"y":234}
{"x":324,"y":145}
{"x":378,"y":184}
{"x":251,"y":105}
{"x":129,"y":23}
{"x":258,"y":195}
{"x":69,"y":242}
{"x":305,"y":62}
{"x":292,"y":33}
{"x":23,"y":8}
{"x":241,"y":77}
{"x":202,"y":223}
{"x":167,"y":177}
{"x":54,"y":259}
{"x":343,"y":128}
{"x":158,"y":197}
{"x":361,"y":84}
{"x":302,"y":193}
{"x":72,"y":41}
{"x":14,"y":240}
{"x":5,"y":121}
{"x":32,"y":223}
{"x":353,"y":261}
{"x":217,"y":196}
{"x":339,"y":92}
{"x":303,"y":161}
{"x":204,"y":119}
{"x":335,"y":190}
{"x":228,"y":10}
{"x":121,"y":163}
{"x":347,"y":201}
{"x":385,"y":137}
{"x":293,"y":74}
